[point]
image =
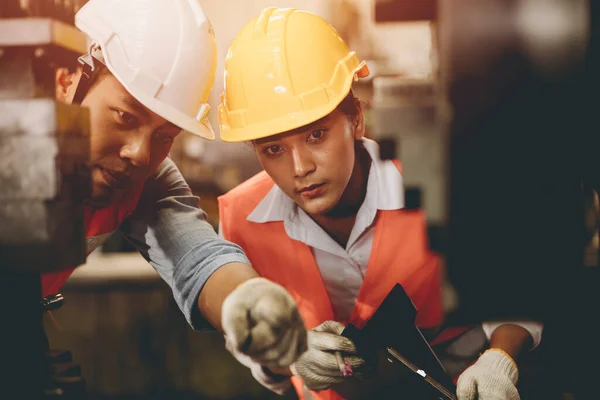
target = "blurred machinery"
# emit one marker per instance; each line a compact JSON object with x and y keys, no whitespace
{"x":44,"y":151}
{"x":500,"y":150}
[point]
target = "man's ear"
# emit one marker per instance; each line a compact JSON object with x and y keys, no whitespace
{"x":359,"y":121}
{"x":66,"y":84}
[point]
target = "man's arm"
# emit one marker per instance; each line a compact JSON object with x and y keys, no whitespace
{"x":171,"y":232}
{"x":220,"y":284}
{"x":210,"y":276}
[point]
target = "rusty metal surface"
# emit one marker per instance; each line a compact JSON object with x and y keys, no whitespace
{"x":41,"y":32}
{"x":44,"y":150}
{"x":30,"y":51}
{"x":40,"y":140}
{"x":44,"y":145}
{"x":18,"y":77}
{"x":29,"y":71}
{"x":63,"y":10}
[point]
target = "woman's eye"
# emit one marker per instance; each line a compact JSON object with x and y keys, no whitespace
{"x":273,"y":149}
{"x":317,"y":134}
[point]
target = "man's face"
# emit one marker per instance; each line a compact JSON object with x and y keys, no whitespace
{"x":128,"y":141}
{"x":312,"y":165}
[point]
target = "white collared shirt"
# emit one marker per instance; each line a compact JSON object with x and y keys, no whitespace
{"x":343,"y":269}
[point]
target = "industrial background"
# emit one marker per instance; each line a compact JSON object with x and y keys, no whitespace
{"x":119,"y":321}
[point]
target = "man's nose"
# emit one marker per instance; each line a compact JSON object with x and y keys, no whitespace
{"x":138,"y":150}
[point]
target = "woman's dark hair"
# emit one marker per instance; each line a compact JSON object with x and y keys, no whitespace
{"x":350,"y":105}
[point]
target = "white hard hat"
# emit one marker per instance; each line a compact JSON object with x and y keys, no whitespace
{"x":162,"y":51}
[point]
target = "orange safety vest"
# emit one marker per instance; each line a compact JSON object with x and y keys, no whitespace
{"x":399,"y":255}
{"x":99,"y":225}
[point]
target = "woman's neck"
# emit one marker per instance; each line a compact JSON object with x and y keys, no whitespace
{"x":339,"y":221}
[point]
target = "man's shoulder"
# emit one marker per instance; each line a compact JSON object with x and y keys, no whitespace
{"x":165,"y":178}
{"x":165,"y":182}
{"x":164,"y":170}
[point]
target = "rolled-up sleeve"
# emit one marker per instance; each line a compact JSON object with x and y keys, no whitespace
{"x":534,"y":328}
{"x":171,"y":232}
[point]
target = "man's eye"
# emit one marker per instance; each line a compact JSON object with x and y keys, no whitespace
{"x":126,"y":118}
{"x":165,"y":138}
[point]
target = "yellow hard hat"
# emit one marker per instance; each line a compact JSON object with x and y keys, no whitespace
{"x":285,"y":69}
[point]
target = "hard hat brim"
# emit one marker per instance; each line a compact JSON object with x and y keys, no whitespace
{"x":97,"y":30}
{"x":293,"y":121}
{"x":277,"y":126}
{"x":189,"y":124}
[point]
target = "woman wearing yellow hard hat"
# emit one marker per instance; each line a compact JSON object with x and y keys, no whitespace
{"x":325,"y":218}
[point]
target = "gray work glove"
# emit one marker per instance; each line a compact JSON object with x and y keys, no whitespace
{"x":261,"y":320}
{"x":492,"y":377}
{"x":319,"y":368}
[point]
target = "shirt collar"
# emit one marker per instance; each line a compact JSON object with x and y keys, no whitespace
{"x":384,"y":191}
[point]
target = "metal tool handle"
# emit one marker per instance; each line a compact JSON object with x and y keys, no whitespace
{"x":443,"y":392}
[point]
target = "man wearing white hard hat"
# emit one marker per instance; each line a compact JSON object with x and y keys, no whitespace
{"x":147,"y":77}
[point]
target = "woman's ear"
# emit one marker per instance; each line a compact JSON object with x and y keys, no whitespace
{"x":359,"y":121}
{"x":66,"y":84}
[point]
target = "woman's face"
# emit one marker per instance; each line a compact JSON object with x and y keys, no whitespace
{"x":313,"y":164}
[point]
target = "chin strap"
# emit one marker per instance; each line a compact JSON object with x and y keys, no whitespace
{"x":90,"y":64}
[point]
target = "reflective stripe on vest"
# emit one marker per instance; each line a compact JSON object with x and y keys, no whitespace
{"x":99,"y":226}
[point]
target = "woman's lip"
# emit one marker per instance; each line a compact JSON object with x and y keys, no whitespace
{"x":312,"y":190}
{"x":309,"y":187}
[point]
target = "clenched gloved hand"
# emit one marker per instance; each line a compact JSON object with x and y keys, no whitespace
{"x":319,"y":367}
{"x":261,"y":320}
{"x":492,"y":377}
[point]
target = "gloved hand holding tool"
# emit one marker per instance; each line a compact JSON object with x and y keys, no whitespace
{"x":330,"y":358}
{"x":260,"y":319}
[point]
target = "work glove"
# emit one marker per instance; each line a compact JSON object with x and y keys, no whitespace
{"x":261,"y":320}
{"x":492,"y":377}
{"x":320,"y":367}
{"x":277,"y":381}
